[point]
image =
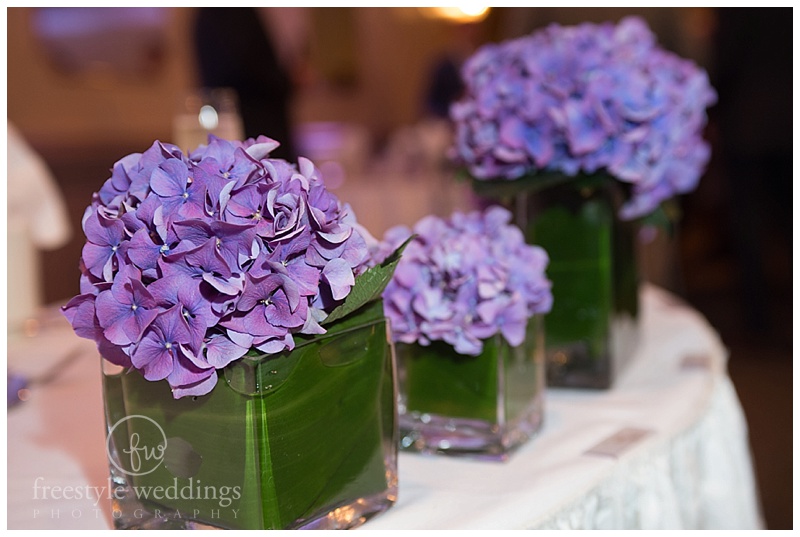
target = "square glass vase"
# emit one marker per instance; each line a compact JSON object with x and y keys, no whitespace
{"x":483,"y":407}
{"x":592,"y":329}
{"x":305,"y":439}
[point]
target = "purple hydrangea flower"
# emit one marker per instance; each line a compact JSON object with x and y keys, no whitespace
{"x":125,"y":310}
{"x":105,"y":244}
{"x":164,"y":343}
{"x":465,"y":279}
{"x":181,"y":197}
{"x":193,"y":260}
{"x":582,"y":99}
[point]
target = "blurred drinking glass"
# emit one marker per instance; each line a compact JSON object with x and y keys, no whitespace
{"x":207,"y":111}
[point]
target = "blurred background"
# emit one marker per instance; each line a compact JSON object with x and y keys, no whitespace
{"x":363,"y":92}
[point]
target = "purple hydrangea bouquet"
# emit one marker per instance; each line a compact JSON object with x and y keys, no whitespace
{"x":465,"y":305}
{"x":583,"y":130}
{"x":229,"y":286}
{"x":570,"y":100}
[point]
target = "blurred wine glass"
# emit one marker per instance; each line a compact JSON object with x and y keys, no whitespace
{"x":207,"y":111}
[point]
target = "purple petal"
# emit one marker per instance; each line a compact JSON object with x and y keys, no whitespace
{"x":113,"y":317}
{"x":276,"y":345}
{"x":103,"y":231}
{"x":209,"y":259}
{"x":81,"y":315}
{"x":142,"y":251}
{"x":139,"y":295}
{"x":255,"y":290}
{"x":311,"y":325}
{"x":336,"y":235}
{"x":254,"y":323}
{"x":297,"y":277}
{"x":291,"y":291}
{"x":465,"y":343}
{"x":278,"y":312}
{"x":197,"y":359}
{"x":242,"y":340}
{"x":113,"y":353}
{"x":261,"y":150}
{"x":339,"y":275}
{"x":165,"y":290}
{"x":194,"y":231}
{"x":356,"y":251}
{"x":306,"y":277}
{"x":314,"y":258}
{"x":195,"y":303}
{"x":227,"y":286}
{"x":173,"y":326}
{"x":199,"y":388}
{"x":220,"y":351}
{"x":185,"y":372}
{"x":153,"y":358}
{"x":98,"y":260}
{"x":170,"y":179}
{"x":514,"y":332}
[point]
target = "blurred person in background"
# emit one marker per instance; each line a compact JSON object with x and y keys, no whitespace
{"x":753,"y":75}
{"x":444,"y":83}
{"x":235,"y":50}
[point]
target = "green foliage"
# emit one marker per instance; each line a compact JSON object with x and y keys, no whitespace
{"x":368,"y":286}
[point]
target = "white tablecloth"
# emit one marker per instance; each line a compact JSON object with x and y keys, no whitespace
{"x":691,"y":469}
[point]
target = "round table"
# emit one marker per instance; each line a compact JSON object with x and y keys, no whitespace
{"x":666,"y":448}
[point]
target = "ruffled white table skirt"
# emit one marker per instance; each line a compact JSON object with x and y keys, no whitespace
{"x":691,"y":469}
{"x":700,"y":479}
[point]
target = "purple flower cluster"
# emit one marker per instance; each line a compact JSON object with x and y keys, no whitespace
{"x":582,"y":99}
{"x":192,"y":260}
{"x":464,"y":279}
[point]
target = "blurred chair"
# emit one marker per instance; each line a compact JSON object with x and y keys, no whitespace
{"x":37,"y":220}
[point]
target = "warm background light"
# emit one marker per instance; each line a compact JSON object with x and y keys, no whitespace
{"x":457,"y":14}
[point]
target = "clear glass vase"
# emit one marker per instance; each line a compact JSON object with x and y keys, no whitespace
{"x":591,"y":331}
{"x":481,"y":406}
{"x":301,"y":439}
